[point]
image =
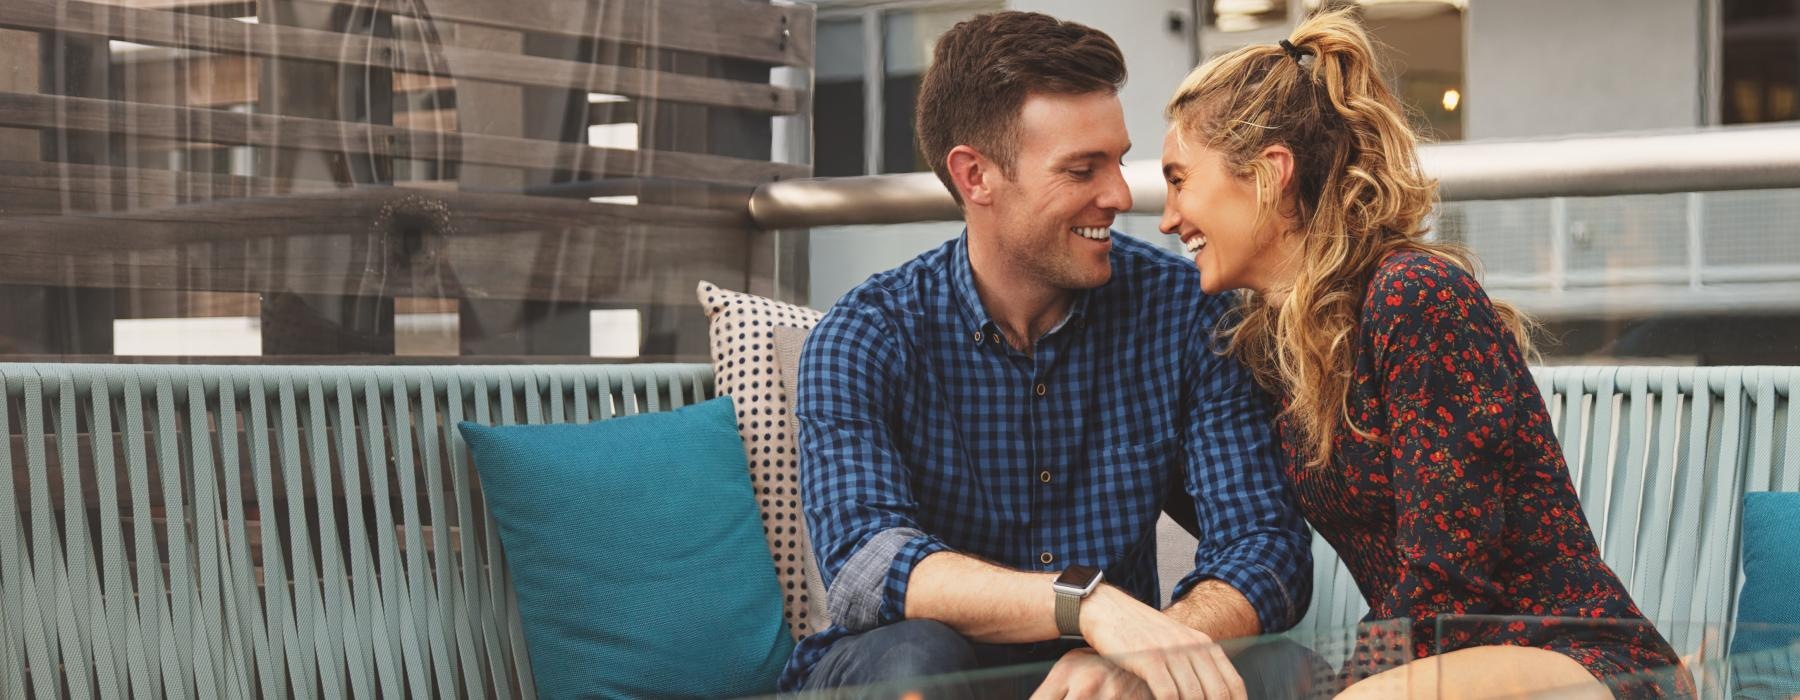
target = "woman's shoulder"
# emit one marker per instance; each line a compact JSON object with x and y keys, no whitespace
{"x":1415,"y":268}
{"x":1414,"y":278}
{"x":1418,"y":290}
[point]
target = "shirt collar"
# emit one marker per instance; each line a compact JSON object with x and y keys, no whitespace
{"x":968,"y":301}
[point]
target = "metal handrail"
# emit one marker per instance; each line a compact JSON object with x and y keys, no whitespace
{"x":1734,"y":158}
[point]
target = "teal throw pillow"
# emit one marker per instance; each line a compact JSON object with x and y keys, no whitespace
{"x":637,"y":554}
{"x":1766,"y":659}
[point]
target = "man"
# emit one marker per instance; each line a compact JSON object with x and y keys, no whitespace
{"x":1014,"y":407}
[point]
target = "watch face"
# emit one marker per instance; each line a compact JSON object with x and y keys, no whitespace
{"x":1076,"y":576}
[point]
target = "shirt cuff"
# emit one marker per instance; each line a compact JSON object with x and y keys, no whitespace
{"x":893,"y":601}
{"x":1267,"y":593}
{"x":870,"y":591}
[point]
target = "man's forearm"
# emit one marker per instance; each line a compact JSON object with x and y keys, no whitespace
{"x":981,"y":601}
{"x":1217,"y":609}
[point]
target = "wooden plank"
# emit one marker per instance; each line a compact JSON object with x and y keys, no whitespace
{"x":429,"y":244}
{"x":240,"y":7}
{"x":427,"y":120}
{"x":195,"y":80}
{"x":18,"y":73}
{"x":163,"y":121}
{"x":735,"y":28}
{"x":24,"y":184}
{"x":224,"y":80}
{"x":758,"y":31}
{"x":198,"y":32}
{"x":416,"y":82}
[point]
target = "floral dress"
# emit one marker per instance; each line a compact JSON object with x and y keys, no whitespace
{"x":1457,"y":501}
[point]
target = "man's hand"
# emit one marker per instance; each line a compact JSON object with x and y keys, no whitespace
{"x":1173,"y":660}
{"x":1082,"y":673}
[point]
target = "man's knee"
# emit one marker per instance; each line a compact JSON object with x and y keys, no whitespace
{"x":909,"y":649}
{"x":923,"y":648}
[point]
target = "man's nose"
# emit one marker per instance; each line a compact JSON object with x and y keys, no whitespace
{"x":1117,"y":195}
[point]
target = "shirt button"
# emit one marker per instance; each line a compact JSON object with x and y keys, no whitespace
{"x":1044,"y":476}
{"x":977,"y":336}
{"x":1046,"y":557}
{"x":1041,"y":389}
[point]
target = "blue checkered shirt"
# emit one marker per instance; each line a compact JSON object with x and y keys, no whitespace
{"x":922,"y":430}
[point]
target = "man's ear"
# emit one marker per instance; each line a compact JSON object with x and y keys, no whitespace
{"x":1282,"y":158}
{"x":973,"y":175}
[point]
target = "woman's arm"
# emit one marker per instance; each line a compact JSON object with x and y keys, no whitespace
{"x":1449,"y":375}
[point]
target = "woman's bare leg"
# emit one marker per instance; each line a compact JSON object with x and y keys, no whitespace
{"x":1498,"y":671}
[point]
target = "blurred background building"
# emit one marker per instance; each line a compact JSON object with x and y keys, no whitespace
{"x":1690,"y":278}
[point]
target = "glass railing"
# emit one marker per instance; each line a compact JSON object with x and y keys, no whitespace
{"x":1730,"y":661}
{"x":442,"y":181}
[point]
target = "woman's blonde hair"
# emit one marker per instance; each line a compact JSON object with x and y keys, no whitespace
{"x":1358,"y":194}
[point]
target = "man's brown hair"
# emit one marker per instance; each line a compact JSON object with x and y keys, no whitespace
{"x":982,"y":70}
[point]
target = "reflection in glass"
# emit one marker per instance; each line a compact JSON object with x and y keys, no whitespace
{"x":378,"y":180}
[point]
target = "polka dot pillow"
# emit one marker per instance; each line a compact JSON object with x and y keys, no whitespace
{"x":746,"y":367}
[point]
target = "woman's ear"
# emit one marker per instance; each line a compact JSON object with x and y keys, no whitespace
{"x":1281,"y":159}
{"x":971,"y":172}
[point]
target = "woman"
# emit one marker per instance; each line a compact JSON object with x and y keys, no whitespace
{"x":1416,"y":441}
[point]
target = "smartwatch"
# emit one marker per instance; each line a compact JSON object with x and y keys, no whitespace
{"x":1075,"y":583}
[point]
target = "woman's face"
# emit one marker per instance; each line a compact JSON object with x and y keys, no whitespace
{"x":1215,"y":214}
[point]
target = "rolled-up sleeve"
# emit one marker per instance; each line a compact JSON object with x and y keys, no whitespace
{"x":855,"y":487}
{"x":1251,"y":536}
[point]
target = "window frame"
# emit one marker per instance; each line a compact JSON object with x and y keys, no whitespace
{"x":871,"y":13}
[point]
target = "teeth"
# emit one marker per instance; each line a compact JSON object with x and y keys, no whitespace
{"x":1195,"y":244}
{"x":1098,"y":233}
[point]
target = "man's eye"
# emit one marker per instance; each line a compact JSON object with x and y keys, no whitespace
{"x":1175,"y":182}
{"x":1082,"y":174}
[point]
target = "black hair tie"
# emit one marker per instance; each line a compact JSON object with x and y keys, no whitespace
{"x":1293,"y":52}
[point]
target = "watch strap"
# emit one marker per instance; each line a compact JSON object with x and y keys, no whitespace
{"x":1068,"y":614}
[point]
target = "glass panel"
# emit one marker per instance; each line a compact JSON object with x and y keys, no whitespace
{"x":1760,"y":61}
{"x":1717,"y":659}
{"x":292,"y":180}
{"x":1687,"y":278}
{"x":907,"y":38}
{"x":839,"y":105}
{"x":1300,"y":666}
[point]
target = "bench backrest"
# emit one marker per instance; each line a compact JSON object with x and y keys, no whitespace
{"x":158,"y":588}
{"x":145,"y":510}
{"x":1662,"y":458}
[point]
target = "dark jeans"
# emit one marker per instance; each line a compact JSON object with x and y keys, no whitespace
{"x":881,"y":662}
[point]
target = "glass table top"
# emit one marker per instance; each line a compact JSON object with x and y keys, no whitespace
{"x":1726,"y":661}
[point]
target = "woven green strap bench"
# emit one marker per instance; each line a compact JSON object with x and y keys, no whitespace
{"x":237,"y":531}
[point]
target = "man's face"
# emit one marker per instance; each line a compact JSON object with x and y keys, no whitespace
{"x":1055,"y":213}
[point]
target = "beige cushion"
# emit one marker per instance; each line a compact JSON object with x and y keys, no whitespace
{"x":745,"y":367}
{"x":1174,"y":555}
{"x":788,"y":341}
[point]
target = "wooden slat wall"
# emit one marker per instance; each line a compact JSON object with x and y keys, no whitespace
{"x":223,"y":36}
{"x":238,"y":129}
{"x":440,"y":149}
